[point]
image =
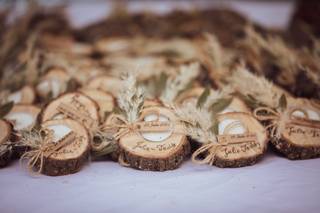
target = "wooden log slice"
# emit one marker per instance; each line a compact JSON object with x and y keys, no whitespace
{"x":22,"y":117}
{"x":300,"y":138}
{"x":70,"y":158}
{"x":113,"y":45}
{"x":76,"y":106}
{"x":53,"y":82}
{"x":247,"y":142}
{"x":5,"y":150}
{"x":26,"y":95}
{"x":105,"y":100}
{"x":155,"y":151}
{"x":106,"y":83}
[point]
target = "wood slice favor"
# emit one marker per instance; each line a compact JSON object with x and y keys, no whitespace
{"x":158,"y":144}
{"x":26,"y":95}
{"x":76,"y":106}
{"x":54,"y":82}
{"x":300,"y":136}
{"x":245,"y":138}
{"x":70,"y":157}
{"x":106,"y":83}
{"x":5,"y":149}
{"x":23,"y":116}
{"x":105,"y":100}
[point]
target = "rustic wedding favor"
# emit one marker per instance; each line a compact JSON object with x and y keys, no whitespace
{"x":232,"y":139}
{"x":156,"y":141}
{"x":294,"y":131}
{"x":60,"y":147}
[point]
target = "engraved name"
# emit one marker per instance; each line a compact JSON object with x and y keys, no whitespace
{"x":142,"y":145}
{"x":293,"y":129}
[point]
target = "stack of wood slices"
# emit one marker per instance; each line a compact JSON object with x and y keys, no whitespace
{"x":151,"y":91}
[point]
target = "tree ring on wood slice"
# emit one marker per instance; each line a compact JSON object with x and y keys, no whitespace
{"x":300,"y":138}
{"x":76,"y":106}
{"x":26,"y":95}
{"x":104,"y":99}
{"x":71,"y":157}
{"x":246,"y":142}
{"x":155,"y":151}
{"x":106,"y":83}
{"x":5,"y":150}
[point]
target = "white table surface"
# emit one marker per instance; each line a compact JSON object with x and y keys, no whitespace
{"x":275,"y":184}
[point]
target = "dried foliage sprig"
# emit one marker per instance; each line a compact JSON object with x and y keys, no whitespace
{"x":175,"y":85}
{"x":131,"y":98}
{"x":197,"y":122}
{"x":220,"y":59}
{"x":283,"y":55}
{"x":257,"y":90}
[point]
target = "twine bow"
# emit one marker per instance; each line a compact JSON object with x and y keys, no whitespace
{"x":45,"y":149}
{"x":210,"y":149}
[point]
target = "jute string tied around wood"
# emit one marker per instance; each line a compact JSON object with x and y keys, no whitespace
{"x":210,"y":149}
{"x":277,"y":120}
{"x":124,"y":127}
{"x":44,"y":149}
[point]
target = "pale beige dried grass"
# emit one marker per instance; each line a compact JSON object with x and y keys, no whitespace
{"x":131,"y":97}
{"x":175,"y":85}
{"x":197,"y":122}
{"x":258,"y":87}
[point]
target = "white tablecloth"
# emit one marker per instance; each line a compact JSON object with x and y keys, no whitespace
{"x":275,"y":184}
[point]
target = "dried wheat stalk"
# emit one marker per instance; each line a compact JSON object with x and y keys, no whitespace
{"x":131,"y":97}
{"x":177,"y":84}
{"x":197,"y":122}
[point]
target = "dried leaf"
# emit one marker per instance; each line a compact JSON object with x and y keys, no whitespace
{"x":6,"y":108}
{"x":283,"y":102}
{"x":215,"y":127}
{"x":161,"y":83}
{"x":203,"y":97}
{"x":220,"y":105}
{"x":71,"y":85}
